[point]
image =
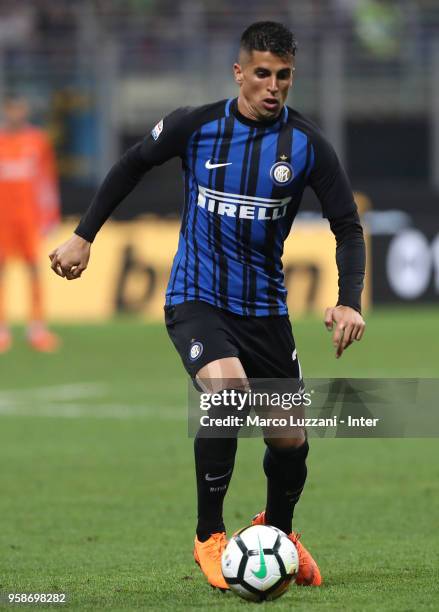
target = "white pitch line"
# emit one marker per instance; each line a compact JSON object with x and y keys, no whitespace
{"x":58,"y":401}
{"x":105,"y":411}
{"x":56,"y":392}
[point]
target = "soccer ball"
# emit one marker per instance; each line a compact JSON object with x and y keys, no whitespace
{"x":259,"y":563}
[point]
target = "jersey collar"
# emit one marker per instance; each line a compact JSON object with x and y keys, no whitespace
{"x":233,"y":104}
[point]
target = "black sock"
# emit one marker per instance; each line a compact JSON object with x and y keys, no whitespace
{"x":214,"y":462}
{"x":286,"y":474}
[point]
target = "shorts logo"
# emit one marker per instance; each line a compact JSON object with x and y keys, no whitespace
{"x":282,"y":173}
{"x":195,"y":351}
{"x":157,"y":130}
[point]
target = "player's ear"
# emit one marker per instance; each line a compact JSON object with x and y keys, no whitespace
{"x":237,"y":70}
{"x":293,"y":70}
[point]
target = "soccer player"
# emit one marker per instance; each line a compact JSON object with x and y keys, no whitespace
{"x":246,"y":163}
{"x":29,"y":208}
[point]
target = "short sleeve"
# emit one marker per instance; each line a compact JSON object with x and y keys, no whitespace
{"x":329,"y":180}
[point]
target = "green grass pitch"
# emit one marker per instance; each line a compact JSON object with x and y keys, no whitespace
{"x":97,"y":486}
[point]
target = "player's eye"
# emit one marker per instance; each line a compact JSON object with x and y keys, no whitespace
{"x":262,"y":74}
{"x":283,"y":75}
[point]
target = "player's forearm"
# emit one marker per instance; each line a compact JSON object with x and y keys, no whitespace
{"x":118,"y":183}
{"x":350,"y":258}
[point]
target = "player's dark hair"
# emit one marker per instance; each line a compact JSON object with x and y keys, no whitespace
{"x":269,"y":36}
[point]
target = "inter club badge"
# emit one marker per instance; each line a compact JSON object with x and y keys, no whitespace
{"x":195,"y":351}
{"x":282,"y":173}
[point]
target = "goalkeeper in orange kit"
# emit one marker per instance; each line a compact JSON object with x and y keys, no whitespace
{"x":29,"y":209}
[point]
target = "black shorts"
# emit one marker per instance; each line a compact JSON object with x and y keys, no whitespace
{"x":203,"y":333}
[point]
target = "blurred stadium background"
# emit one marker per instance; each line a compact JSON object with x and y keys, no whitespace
{"x":99,"y":75}
{"x":90,"y":436}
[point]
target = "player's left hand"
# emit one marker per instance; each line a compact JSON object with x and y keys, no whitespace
{"x":349,"y":326}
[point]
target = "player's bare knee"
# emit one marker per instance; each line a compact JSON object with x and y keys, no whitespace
{"x":225,"y":373}
{"x":290,"y":442}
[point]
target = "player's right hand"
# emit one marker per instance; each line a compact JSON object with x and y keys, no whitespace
{"x":70,"y":259}
{"x":349,"y":326}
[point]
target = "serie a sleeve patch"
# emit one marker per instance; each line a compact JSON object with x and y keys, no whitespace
{"x":157,"y":130}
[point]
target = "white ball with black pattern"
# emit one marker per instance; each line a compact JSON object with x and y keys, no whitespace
{"x":259,"y":563}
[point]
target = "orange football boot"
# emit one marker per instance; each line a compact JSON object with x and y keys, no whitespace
{"x":309,"y":573}
{"x":208,"y":556}
{"x":43,"y":340}
{"x":5,"y":339}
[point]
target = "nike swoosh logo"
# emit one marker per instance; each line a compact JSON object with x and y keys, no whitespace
{"x":210,"y":166}
{"x":262,"y":571}
{"x":210,"y":478}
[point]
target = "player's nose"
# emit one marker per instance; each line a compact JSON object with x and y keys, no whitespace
{"x":273,"y":86}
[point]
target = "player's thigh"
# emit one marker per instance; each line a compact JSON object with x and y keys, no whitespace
{"x":269,"y":353}
{"x":267,"y":347}
{"x":225,"y":373}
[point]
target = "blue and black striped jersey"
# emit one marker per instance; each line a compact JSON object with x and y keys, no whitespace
{"x":243,"y":183}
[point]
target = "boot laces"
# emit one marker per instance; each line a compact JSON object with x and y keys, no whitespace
{"x":217,"y":544}
{"x":295,"y":537}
